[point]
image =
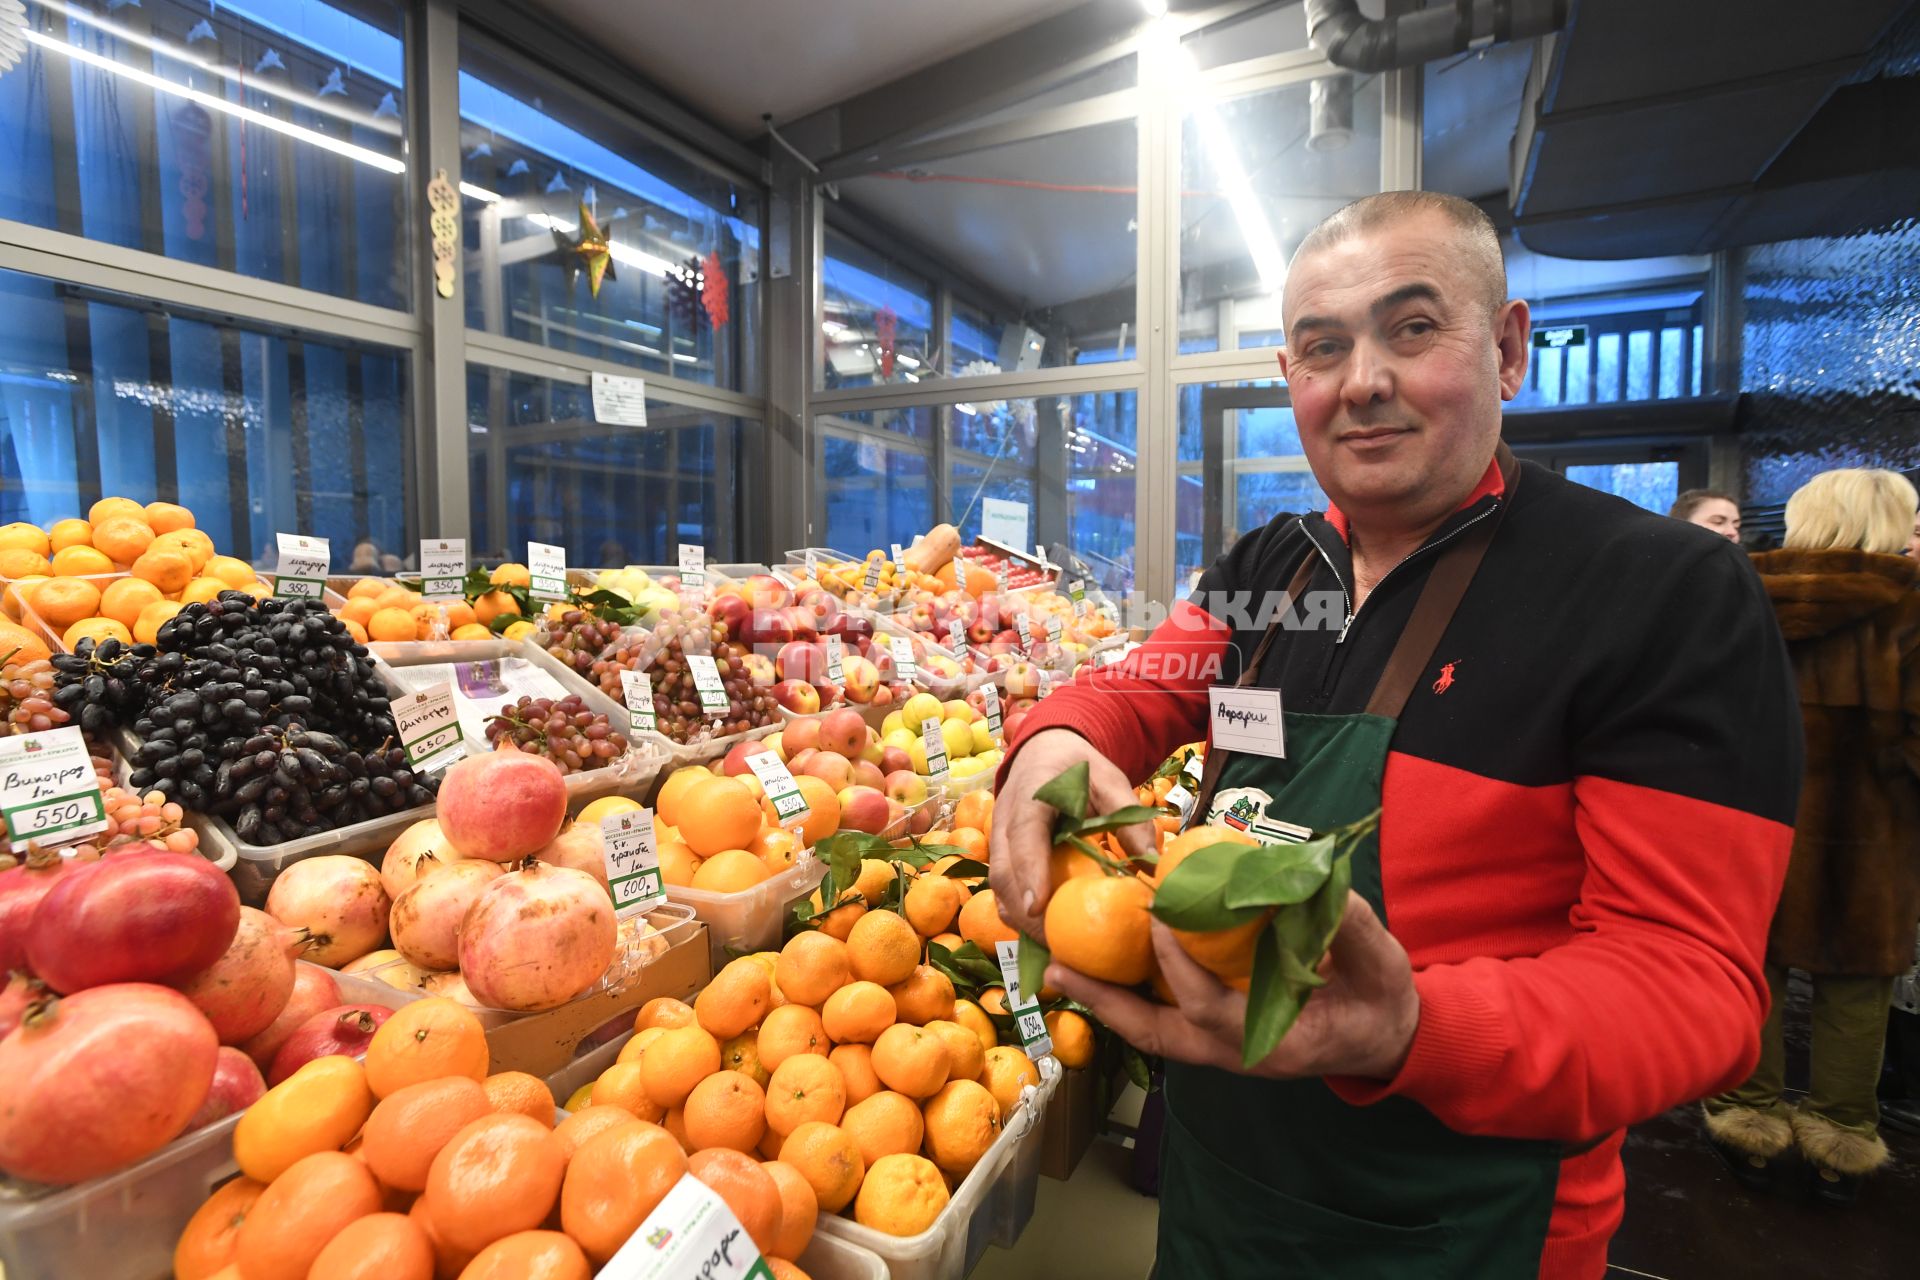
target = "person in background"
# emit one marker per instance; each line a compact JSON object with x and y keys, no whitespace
{"x":1913,"y":542}
{"x":1710,"y":509}
{"x":366,"y":559}
{"x":1845,"y":598}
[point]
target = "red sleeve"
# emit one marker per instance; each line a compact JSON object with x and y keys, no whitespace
{"x":1656,"y":1001}
{"x":1136,"y":712}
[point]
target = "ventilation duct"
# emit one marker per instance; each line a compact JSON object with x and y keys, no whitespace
{"x":1346,"y":39}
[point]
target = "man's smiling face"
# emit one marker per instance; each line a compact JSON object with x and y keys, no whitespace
{"x":1398,"y":356}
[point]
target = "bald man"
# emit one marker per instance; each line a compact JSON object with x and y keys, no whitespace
{"x":1578,"y":722}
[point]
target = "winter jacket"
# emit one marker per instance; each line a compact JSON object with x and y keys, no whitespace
{"x":1852,"y":623}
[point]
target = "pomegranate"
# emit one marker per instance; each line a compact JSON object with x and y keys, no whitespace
{"x":236,"y":1086}
{"x":21,"y":889}
{"x":242,"y":991}
{"x":19,"y":992}
{"x":537,"y":938}
{"x":420,"y":850}
{"x":100,"y":1079}
{"x":336,"y":898}
{"x":426,"y":918}
{"x":161,"y":917}
{"x":314,"y":989}
{"x":580,"y":847}
{"x":344,"y":1030}
{"x":502,"y":805}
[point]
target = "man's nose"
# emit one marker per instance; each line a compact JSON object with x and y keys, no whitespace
{"x":1368,"y":378}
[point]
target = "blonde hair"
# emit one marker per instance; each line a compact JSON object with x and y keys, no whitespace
{"x":1852,"y":509}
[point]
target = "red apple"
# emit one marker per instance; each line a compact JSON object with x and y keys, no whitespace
{"x":843,"y":730}
{"x":797,"y":696}
{"x":803,"y":623}
{"x":867,"y":774}
{"x":831,"y":768}
{"x":797,"y":762}
{"x":759,"y":668}
{"x":764,"y":591}
{"x":735,"y":762}
{"x":734,"y":611}
{"x":800,"y":735}
{"x":906,"y":786}
{"x":862,"y":678}
{"x":886,"y":695}
{"x":800,"y":660}
{"x":1010,"y":727}
{"x":768,"y":629}
{"x":237,"y":1085}
{"x":1018,"y":704}
{"x":920,"y":821}
{"x":864,"y":809}
{"x":894,"y":759}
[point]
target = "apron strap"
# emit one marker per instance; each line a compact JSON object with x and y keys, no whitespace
{"x":1217,"y":760}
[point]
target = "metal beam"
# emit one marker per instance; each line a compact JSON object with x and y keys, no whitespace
{"x":440,"y":371}
{"x":1105,"y":109}
{"x":791,"y":299}
{"x":1070,"y":380}
{"x":567,"y":366}
{"x":1155,"y":494}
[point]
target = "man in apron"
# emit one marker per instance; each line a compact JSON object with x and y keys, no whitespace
{"x":1580,"y":723}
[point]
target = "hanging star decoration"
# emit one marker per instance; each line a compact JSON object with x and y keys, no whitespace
{"x":588,"y":249}
{"x":714,"y":292}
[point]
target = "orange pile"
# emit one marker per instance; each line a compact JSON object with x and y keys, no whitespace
{"x":719,"y":833}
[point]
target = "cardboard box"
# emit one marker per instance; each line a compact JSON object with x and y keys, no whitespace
{"x":1073,"y":1121}
{"x":542,"y":1043}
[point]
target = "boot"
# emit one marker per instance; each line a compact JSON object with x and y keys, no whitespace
{"x":1750,"y":1142}
{"x":1840,"y":1156}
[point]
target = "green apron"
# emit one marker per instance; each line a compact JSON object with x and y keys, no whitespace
{"x":1282,"y":1178}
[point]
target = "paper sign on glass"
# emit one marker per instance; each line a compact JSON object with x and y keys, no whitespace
{"x":783,"y":793}
{"x":429,"y":727}
{"x":936,"y":745}
{"x":621,"y":401}
{"x":547,"y":567}
{"x":443,"y":566}
{"x":1005,"y":522}
{"x":633,"y":863}
{"x":48,"y":789}
{"x":1247,"y":720}
{"x":1024,"y":1009}
{"x":707,"y":682}
{"x":904,"y":667}
{"x":636,"y":687}
{"x":303,"y":566}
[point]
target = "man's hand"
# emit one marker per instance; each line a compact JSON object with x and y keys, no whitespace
{"x":1022,"y":837}
{"x":1360,"y":1024}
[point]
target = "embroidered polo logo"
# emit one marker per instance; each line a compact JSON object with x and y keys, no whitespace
{"x":1445,"y":682}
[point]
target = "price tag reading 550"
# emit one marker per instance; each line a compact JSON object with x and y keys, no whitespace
{"x":48,"y":790}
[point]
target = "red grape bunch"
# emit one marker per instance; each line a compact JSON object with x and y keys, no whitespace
{"x":565,"y":732}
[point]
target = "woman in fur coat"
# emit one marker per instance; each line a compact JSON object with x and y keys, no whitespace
{"x":1847,"y":601}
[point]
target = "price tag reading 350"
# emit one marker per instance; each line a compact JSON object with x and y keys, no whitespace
{"x":1025,"y":1009}
{"x":303,"y":566}
{"x":789,"y":806}
{"x":429,"y":728}
{"x":633,"y":862}
{"x":707,"y":682}
{"x":546,"y":571}
{"x":443,"y":566}
{"x":637,"y":688}
{"x":904,"y":667}
{"x":48,"y":789}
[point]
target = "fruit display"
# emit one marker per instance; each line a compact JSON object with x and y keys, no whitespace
{"x":970,"y":747}
{"x":564,"y":731}
{"x":640,"y":590}
{"x":119,"y":573}
{"x":677,"y":635}
{"x":1010,"y":573}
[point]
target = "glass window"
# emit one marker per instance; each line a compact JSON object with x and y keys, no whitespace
{"x":682,"y":294}
{"x":1239,"y":465}
{"x":1042,"y":238}
{"x":1652,"y":485}
{"x":1102,"y":436}
{"x":876,"y":492}
{"x":256,"y":432}
{"x":1256,"y":174}
{"x":1269,"y":30}
{"x":876,"y":317}
{"x":543,"y":470}
{"x":263,"y":137}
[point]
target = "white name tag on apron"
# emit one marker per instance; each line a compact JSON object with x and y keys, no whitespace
{"x":1247,"y":720}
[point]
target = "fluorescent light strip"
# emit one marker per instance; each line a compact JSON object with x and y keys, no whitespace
{"x":1254,"y":229}
{"x":479,"y":193}
{"x":159,"y":85}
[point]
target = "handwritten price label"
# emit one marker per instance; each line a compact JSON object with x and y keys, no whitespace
{"x":693,"y":570}
{"x":1056,"y":628}
{"x":956,"y":636}
{"x":1025,"y":629}
{"x":429,"y":728}
{"x":690,"y":1235}
{"x":873,"y":573}
{"x":637,"y":689}
{"x":632,"y":861}
{"x":303,"y":566}
{"x":443,"y":566}
{"x":1025,"y":1009}
{"x":547,"y":569}
{"x":836,"y":659}
{"x":936,"y":745}
{"x":990,"y":697}
{"x":1247,"y":720}
{"x":904,"y":666}
{"x":789,"y":805}
{"x":48,"y":789}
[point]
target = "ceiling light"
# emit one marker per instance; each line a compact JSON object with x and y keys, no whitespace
{"x":967,"y":409}
{"x":1254,"y":229}
{"x":908,"y":361}
{"x":1154,"y":8}
{"x":479,"y":193}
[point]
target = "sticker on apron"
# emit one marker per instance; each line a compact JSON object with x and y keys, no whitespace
{"x":1245,"y":809}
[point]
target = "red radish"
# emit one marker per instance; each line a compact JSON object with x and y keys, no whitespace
{"x":344,"y":1030}
{"x":502,"y":805}
{"x":336,"y":898}
{"x":242,"y":991}
{"x":421,"y":850}
{"x":426,"y":918}
{"x":100,"y":1079}
{"x":19,"y":992}
{"x":581,"y":848}
{"x":537,"y":938}
{"x":314,"y":989}
{"x":21,"y":889}
{"x":236,"y":1086}
{"x":161,"y":917}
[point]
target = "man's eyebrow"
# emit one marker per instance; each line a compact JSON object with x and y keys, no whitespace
{"x":1419,"y":290}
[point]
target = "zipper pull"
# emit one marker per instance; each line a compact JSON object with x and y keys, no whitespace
{"x":1344,"y":628}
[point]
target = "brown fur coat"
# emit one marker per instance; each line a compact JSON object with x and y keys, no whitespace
{"x":1852,"y":623}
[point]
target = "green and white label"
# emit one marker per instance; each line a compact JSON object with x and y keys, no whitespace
{"x":303,"y":566}
{"x":789,"y":806}
{"x":899,"y":563}
{"x":990,"y":695}
{"x":690,"y":1235}
{"x":429,"y":727}
{"x":443,"y":566}
{"x":633,"y":863}
{"x":48,"y":789}
{"x":547,"y":567}
{"x":956,"y":636}
{"x":1045,"y":678}
{"x":1077,"y":592}
{"x":936,"y":746}
{"x":1056,"y":628}
{"x":873,"y":573}
{"x":707,"y":682}
{"x":904,"y":666}
{"x":1025,"y":629}
{"x":813,"y":565}
{"x":1024,"y":1009}
{"x":637,"y":689}
{"x":693,"y":570}
{"x":836,"y":659}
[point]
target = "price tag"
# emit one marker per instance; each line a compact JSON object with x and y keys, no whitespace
{"x":1025,"y":629}
{"x":873,"y":573}
{"x":956,"y":636}
{"x":1046,"y":683}
{"x":899,"y":563}
{"x":1025,"y":1009}
{"x":1077,"y":592}
{"x":443,"y":566}
{"x":637,"y":688}
{"x":813,"y":565}
{"x":904,"y":667}
{"x":48,"y":789}
{"x":547,"y":566}
{"x":1181,"y":798}
{"x":690,"y":1235}
{"x":303,"y":566}
{"x":1108,"y":658}
{"x":1195,"y":768}
{"x":789,"y":806}
{"x":707,"y":682}
{"x":429,"y":727}
{"x":1056,"y":628}
{"x":936,"y":746}
{"x":693,"y":570}
{"x":836,"y":659}
{"x":990,"y":695}
{"x":633,"y":864}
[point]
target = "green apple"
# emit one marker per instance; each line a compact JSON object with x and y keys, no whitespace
{"x":901,"y":738}
{"x":919,"y":708}
{"x":892,"y":722}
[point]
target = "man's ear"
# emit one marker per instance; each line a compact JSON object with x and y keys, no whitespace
{"x":1512,"y":329}
{"x":1280,"y":354}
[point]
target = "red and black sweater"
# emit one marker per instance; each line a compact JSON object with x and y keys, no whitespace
{"x":1587,"y":815}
